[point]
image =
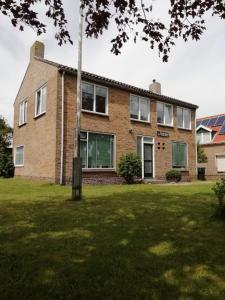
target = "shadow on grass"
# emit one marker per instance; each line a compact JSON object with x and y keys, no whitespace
{"x":141,"y":244}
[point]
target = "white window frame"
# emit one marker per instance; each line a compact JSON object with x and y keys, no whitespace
{"x":40,"y":89}
{"x":19,"y":165}
{"x":114,"y":152}
{"x":202,"y":134}
{"x":94,"y":104}
{"x":164,"y":123}
{"x":187,"y":151}
{"x":139,"y":110}
{"x":23,"y":111}
{"x":219,"y":156}
{"x":183,"y":109}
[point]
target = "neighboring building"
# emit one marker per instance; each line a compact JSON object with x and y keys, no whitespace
{"x":116,"y":118}
{"x":211,"y":136}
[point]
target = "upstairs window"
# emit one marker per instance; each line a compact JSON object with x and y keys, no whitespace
{"x":204,"y":137}
{"x":19,"y":156}
{"x":179,"y":155}
{"x":164,"y":114}
{"x":23,"y":113}
{"x":94,"y":98}
{"x":183,"y":118}
{"x":97,"y":150}
{"x":139,"y":108}
{"x":40,"y":105}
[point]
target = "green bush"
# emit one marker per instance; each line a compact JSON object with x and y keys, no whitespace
{"x":219,"y":190}
{"x":173,"y":175}
{"x":6,"y":165}
{"x":130,"y":167}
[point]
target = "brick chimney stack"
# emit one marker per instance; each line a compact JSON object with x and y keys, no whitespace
{"x":38,"y":50}
{"x":155,"y":87}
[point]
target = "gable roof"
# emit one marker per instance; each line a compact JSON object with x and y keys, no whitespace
{"x":214,"y":123}
{"x":121,"y":85}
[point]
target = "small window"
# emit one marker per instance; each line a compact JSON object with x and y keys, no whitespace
{"x":94,"y":98}
{"x":220,"y":163}
{"x":97,"y":150}
{"x":40,"y":106}
{"x":164,"y":114}
{"x":23,"y":113}
{"x":183,"y":118}
{"x":19,"y":156}
{"x":139,"y":108}
{"x":204,"y":137}
{"x":179,"y":155}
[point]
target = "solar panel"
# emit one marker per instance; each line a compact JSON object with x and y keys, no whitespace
{"x":222,"y":130}
{"x":198,"y":123}
{"x":220,"y":121}
{"x":205,"y":122}
{"x":212,"y":121}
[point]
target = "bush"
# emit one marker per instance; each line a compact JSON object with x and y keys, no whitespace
{"x":219,"y":190}
{"x":173,"y":175}
{"x":6,"y":165}
{"x":130,"y":167}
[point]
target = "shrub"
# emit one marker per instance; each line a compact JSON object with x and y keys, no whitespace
{"x":173,"y":175}
{"x":130,"y":167}
{"x":219,"y":190}
{"x":6,"y":165}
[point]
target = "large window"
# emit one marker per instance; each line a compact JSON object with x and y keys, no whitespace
{"x":97,"y":150}
{"x":40,"y":105}
{"x":179,"y":155}
{"x":19,"y":156}
{"x":94,"y":98}
{"x":139,"y":108}
{"x":23,"y":113}
{"x":183,"y":118}
{"x":164,"y":114}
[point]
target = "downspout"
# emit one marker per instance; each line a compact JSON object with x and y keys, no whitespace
{"x":62,"y":131}
{"x":196,"y":145}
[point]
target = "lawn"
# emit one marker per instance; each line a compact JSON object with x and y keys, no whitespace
{"x":120,"y":242}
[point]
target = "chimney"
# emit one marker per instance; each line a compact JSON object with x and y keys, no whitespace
{"x":37,"y":49}
{"x":155,"y":87}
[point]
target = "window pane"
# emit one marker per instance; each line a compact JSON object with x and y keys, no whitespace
{"x":187,"y":119}
{"x":25,"y":111}
{"x":104,"y":151}
{"x":92,"y":150}
{"x":88,"y":96}
{"x":168,"y":114}
{"x":179,"y":155}
{"x":180,"y":117}
{"x":160,"y":113}
{"x":134,"y":107}
{"x":139,"y":146}
{"x":206,"y":137}
{"x":21,"y":116}
{"x":101,"y":94}
{"x":83,"y":153}
{"x":83,"y":135}
{"x":44,"y":94}
{"x":144,"y":109}
{"x":19,"y":156}
{"x":38,"y":103}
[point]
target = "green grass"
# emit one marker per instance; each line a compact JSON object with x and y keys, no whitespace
{"x":120,"y":242}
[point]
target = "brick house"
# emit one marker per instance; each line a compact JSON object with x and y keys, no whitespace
{"x":116,"y":118}
{"x":211,"y":137}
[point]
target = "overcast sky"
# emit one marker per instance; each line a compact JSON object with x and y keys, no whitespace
{"x":195,"y":71}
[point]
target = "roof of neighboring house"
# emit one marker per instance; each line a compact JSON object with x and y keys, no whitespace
{"x":217,"y":124}
{"x":114,"y":83}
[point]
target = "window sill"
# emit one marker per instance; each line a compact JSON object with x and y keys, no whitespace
{"x":140,"y":121}
{"x":94,"y":113}
{"x":21,"y":125}
{"x":19,"y":166}
{"x":40,"y":115}
{"x":181,"y":169}
{"x":185,"y":129}
{"x":165,"y":125}
{"x":98,"y":170}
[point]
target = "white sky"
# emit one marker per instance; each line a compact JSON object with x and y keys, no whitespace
{"x":195,"y":71}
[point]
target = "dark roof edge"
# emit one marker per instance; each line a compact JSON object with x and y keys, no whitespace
{"x":114,"y":83}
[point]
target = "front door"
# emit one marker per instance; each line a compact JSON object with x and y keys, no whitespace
{"x":148,"y":161}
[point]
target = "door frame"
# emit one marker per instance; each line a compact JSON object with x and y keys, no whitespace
{"x":142,"y":154}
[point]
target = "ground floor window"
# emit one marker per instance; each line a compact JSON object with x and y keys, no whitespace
{"x":97,"y":150}
{"x":19,"y":156}
{"x":179,"y":155}
{"x":220,"y":159}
